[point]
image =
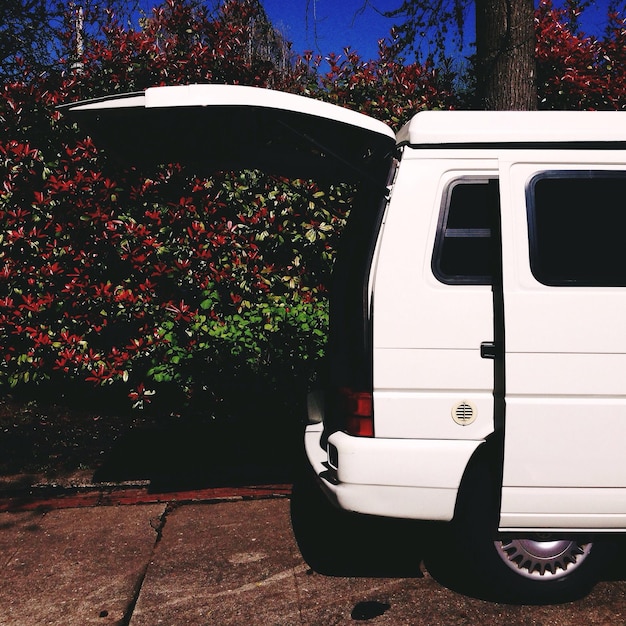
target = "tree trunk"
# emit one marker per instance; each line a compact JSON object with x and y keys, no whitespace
{"x":505,"y":50}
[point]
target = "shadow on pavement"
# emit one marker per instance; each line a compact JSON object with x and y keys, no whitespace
{"x":196,"y":453}
{"x":337,"y":543}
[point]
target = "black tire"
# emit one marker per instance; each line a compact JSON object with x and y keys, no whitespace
{"x":325,"y":535}
{"x":521,"y":569}
{"x":339,"y":543}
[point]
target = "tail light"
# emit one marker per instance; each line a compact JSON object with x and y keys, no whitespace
{"x":358,"y":410}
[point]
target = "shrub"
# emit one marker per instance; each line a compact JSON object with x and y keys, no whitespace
{"x":578,"y":70}
{"x":167,"y":280}
{"x":164,"y":279}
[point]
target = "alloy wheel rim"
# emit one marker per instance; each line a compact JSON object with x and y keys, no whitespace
{"x":542,"y":558}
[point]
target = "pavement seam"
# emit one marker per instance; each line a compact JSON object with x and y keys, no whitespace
{"x":158,"y":529}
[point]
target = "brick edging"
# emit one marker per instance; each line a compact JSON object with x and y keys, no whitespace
{"x":118,"y":496}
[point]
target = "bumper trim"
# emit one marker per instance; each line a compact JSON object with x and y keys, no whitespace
{"x":412,"y":478}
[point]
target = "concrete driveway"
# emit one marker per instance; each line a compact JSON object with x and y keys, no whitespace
{"x":170,"y":559}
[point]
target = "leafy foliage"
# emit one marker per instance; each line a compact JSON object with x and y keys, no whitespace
{"x":573,"y":70}
{"x":386,"y":88}
{"x":32,"y":31}
{"x":22,"y":36}
{"x":577,"y":70}
{"x":168,"y":287}
{"x":167,"y":280}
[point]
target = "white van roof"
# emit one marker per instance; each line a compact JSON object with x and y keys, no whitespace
{"x":431,"y":128}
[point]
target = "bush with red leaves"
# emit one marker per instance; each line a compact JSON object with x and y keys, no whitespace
{"x":578,"y":70}
{"x":169,"y":281}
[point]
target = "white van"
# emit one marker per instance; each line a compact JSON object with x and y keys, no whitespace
{"x":477,"y":364}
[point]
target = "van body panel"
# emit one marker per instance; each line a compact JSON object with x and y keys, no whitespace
{"x":454,"y":318}
{"x":240,"y":96}
{"x":415,"y":394}
{"x":565,"y":442}
{"x":427,"y":335}
{"x":576,"y":509}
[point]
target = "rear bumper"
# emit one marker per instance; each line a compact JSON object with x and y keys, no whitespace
{"x":406,"y":478}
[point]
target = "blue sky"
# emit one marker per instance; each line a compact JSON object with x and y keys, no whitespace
{"x":329,"y":25}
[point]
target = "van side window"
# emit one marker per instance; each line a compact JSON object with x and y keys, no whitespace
{"x":576,"y":226}
{"x":463,"y":246}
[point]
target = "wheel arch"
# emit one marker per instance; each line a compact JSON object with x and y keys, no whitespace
{"x":485,"y":466}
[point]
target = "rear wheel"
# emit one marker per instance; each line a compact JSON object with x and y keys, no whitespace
{"x":535,"y":568}
{"x":536,"y":571}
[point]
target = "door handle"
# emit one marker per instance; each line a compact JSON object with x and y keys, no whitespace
{"x":488,"y":350}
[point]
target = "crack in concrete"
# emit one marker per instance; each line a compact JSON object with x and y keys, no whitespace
{"x":157,"y":525}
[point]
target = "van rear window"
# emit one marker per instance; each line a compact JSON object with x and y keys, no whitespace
{"x":464,"y":244}
{"x":577,"y":221}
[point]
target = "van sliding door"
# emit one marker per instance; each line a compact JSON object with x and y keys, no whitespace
{"x":565,"y":307}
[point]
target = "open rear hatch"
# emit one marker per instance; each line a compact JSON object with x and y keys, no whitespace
{"x":221,"y":127}
{"x":226,"y":127}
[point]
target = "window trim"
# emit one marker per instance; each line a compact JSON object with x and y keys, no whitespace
{"x":447,"y":233}
{"x":539,"y":274}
